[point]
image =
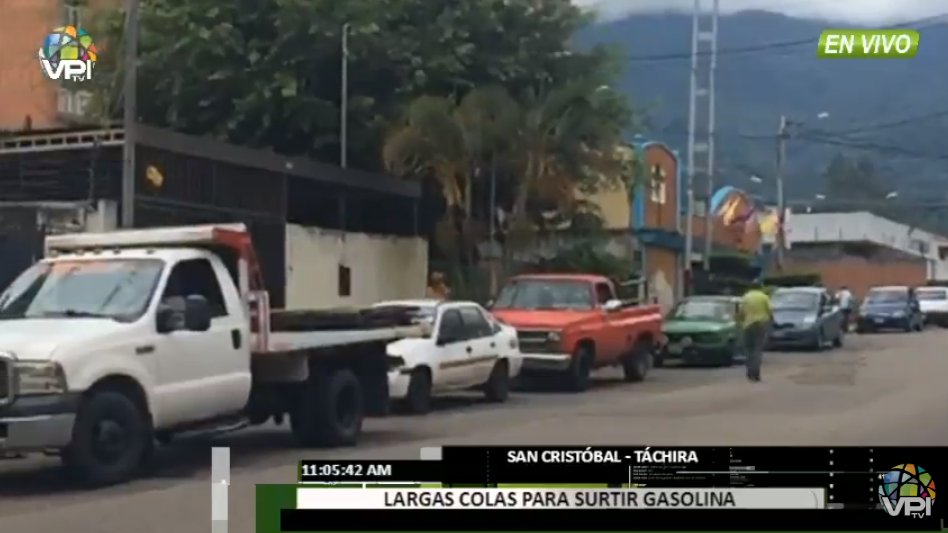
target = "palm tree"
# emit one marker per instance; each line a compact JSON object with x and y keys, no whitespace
{"x":450,"y":144}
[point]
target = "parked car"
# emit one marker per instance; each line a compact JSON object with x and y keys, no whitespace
{"x":893,"y":307}
{"x":465,"y":348}
{"x":805,"y":317}
{"x":933,"y":301}
{"x":701,"y":330}
{"x":570,"y":324}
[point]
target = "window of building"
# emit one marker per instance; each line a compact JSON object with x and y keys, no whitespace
{"x":345,"y":281}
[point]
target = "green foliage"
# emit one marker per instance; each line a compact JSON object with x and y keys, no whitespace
{"x":266,"y":73}
{"x":588,"y":257}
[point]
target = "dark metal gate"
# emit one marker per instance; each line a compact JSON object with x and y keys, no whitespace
{"x":21,"y":242}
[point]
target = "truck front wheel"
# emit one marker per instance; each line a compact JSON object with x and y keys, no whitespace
{"x":329,"y":411}
{"x":578,"y":377}
{"x":110,"y":439}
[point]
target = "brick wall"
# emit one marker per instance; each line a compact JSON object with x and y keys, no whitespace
{"x":860,"y":273}
{"x":24,"y":89}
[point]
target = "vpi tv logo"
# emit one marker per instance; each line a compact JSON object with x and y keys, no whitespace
{"x":68,"y":53}
{"x":907,"y":490}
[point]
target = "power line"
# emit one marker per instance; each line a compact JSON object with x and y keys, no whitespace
{"x":872,"y":147}
{"x":919,"y":24}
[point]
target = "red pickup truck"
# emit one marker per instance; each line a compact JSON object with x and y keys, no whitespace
{"x":570,"y":324}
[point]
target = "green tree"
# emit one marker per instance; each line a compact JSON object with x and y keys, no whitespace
{"x":266,"y":73}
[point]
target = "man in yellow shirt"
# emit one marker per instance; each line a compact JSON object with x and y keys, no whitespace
{"x":756,"y":319}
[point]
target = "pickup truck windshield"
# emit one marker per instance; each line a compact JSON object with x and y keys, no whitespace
{"x":888,"y":296}
{"x":546,"y":294}
{"x":118,"y":289}
{"x":717,"y":311}
{"x":802,"y":301}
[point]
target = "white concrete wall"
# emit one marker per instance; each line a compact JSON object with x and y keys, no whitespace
{"x":864,"y":226}
{"x":382,"y":267}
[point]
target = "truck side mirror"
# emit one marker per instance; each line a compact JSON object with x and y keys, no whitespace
{"x":197,"y":314}
{"x":612,"y":306}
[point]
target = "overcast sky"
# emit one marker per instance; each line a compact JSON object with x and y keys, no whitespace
{"x":856,"y":11}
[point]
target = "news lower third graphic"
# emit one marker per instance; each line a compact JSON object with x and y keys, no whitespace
{"x":68,"y":53}
{"x":615,"y":488}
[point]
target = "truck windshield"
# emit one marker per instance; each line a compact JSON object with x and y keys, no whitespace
{"x":117,"y":289}
{"x":538,"y":294}
{"x":795,"y":300}
{"x":718,"y":311}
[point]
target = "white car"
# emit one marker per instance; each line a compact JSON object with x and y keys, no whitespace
{"x":466,"y":348}
{"x":933,"y":301}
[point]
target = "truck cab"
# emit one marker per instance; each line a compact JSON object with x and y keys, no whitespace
{"x":116,"y":340}
{"x":571,"y":324}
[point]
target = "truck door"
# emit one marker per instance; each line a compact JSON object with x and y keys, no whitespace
{"x":202,"y":375}
{"x":613,"y":337}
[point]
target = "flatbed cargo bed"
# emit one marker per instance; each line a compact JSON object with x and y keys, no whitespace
{"x":292,"y":341}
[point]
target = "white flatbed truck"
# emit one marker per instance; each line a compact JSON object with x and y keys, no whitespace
{"x":117,"y":340}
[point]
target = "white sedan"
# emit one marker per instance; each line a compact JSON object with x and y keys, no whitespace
{"x":466,"y":348}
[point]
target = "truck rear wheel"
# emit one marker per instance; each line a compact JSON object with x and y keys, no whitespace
{"x":636,"y":365}
{"x":110,"y":440}
{"x":330,"y":409}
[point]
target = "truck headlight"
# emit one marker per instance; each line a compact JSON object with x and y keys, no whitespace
{"x":39,"y":377}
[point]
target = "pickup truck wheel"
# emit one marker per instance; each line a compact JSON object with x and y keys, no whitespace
{"x":579,"y":375}
{"x":636,"y":365}
{"x":418,"y":400}
{"x":110,"y":440}
{"x":330,"y":410}
{"x":497,"y":388}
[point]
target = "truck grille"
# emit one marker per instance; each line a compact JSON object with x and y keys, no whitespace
{"x":6,"y":381}
{"x":535,"y":342}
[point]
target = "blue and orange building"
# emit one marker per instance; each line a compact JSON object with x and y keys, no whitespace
{"x":654,"y":213}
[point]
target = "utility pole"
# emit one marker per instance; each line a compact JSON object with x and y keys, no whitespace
{"x":344,"y":101}
{"x":778,"y":178}
{"x":692,"y":120}
{"x":708,"y":220}
{"x":130,"y":114}
{"x":704,"y":47}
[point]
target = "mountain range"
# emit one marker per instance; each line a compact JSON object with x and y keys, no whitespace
{"x":894,"y":111}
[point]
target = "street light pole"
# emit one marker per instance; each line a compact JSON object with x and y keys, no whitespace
{"x":344,"y":101}
{"x":130,"y":111}
{"x":781,"y":208}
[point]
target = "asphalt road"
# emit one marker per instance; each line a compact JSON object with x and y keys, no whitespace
{"x":885,"y":389}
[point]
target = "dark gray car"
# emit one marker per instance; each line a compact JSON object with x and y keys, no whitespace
{"x":805,"y":317}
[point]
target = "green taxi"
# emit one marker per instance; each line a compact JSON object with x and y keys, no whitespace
{"x":702,"y":330}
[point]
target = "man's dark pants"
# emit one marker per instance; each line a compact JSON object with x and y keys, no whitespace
{"x":755,"y":339}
